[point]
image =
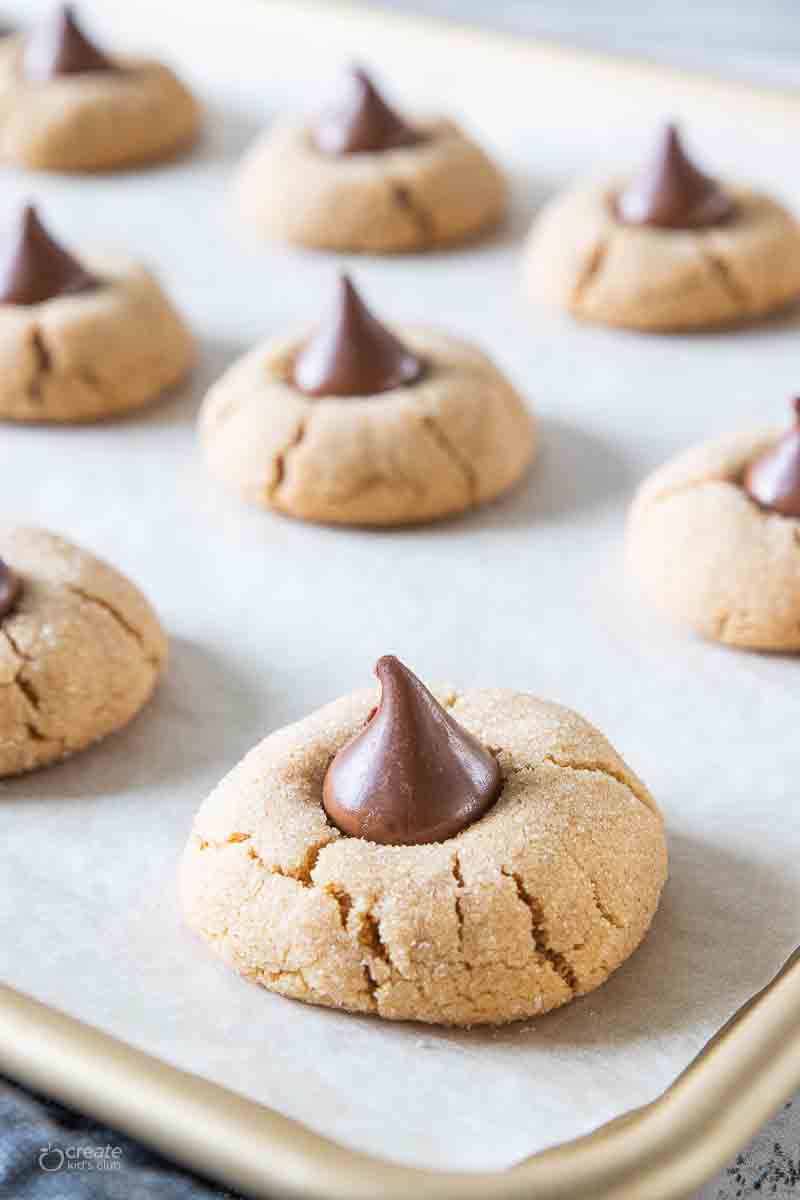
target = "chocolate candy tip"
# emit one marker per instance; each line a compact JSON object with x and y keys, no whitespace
{"x":352,"y":353}
{"x":413,"y":775}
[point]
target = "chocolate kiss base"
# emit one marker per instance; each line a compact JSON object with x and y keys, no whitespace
{"x":413,"y":775}
{"x":671,"y":193}
{"x":10,"y":589}
{"x":363,"y":123}
{"x":352,"y":353}
{"x":35,"y":268}
{"x":773,"y":479}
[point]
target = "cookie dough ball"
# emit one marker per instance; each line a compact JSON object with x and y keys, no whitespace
{"x":670,"y":250}
{"x":361,"y":179}
{"x":82,"y":340}
{"x":354,"y":426}
{"x":711,"y":555}
{"x":67,"y":106}
{"x":80,"y":649}
{"x":538,"y":889}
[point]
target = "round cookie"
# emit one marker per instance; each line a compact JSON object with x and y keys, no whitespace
{"x":534,"y":903}
{"x":432,"y":188}
{"x":81,"y":341}
{"x":71,"y":108}
{"x":401,"y":451}
{"x":80,"y":650}
{"x":708,"y":556}
{"x":709,"y":267}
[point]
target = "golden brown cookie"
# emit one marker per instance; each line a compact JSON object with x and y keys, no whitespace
{"x":361,"y":178}
{"x":82,"y":340}
{"x":392,"y":427}
{"x":670,"y":248}
{"x":80,"y":649}
{"x":580,"y":257}
{"x":536,"y":902}
{"x":707,"y":556}
{"x":458,"y":438}
{"x":64,"y":106}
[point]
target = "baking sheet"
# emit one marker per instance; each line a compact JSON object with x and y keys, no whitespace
{"x":269,"y":618}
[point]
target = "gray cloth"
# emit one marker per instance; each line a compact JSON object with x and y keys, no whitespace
{"x":50,"y":1153}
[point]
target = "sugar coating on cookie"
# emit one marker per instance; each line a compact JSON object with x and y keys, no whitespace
{"x":82,"y":340}
{"x":361,"y":178}
{"x":80,"y":650}
{"x":707,"y":556}
{"x":536,"y":902}
{"x":457,"y":437}
{"x":76,"y":116}
{"x":669,"y":249}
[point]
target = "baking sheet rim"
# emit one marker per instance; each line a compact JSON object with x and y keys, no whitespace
{"x":662,"y":1151}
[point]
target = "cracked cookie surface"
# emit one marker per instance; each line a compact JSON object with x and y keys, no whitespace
{"x":456,"y":438}
{"x":93,"y":355}
{"x":580,"y":257}
{"x":535,"y":903}
{"x":440,"y":191}
{"x":80,"y":653}
{"x":94,"y":121}
{"x":707,"y":556}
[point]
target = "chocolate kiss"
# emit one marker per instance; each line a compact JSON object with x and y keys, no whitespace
{"x":362,"y":122}
{"x":773,"y":479}
{"x":34,"y":268}
{"x":59,"y":47}
{"x":10,"y":588}
{"x":352,"y":354}
{"x":413,"y":775}
{"x":671,"y":193}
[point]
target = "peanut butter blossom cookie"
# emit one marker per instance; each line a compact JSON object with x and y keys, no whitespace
{"x":360,"y":177}
{"x":80,"y":649}
{"x":81,"y":339}
{"x":670,"y":249}
{"x":714,"y":539}
{"x":459,"y":858}
{"x":357,"y":424}
{"x":67,"y":105}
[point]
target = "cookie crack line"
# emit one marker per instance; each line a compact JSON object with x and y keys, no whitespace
{"x":721,"y":271}
{"x":281,"y":457}
{"x":605,"y":913}
{"x":369,"y":938}
{"x":301,"y":874}
{"x":444,"y":443}
{"x":344,"y":901}
{"x":42,"y":364}
{"x":455,"y":867}
{"x":16,"y":649}
{"x":589,"y":272}
{"x":636,"y":789}
{"x":27,"y":689}
{"x":559,"y":962}
{"x":117,"y":616}
{"x":403,"y":198}
{"x":366,"y":937}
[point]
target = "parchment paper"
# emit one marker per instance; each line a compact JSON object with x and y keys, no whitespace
{"x":269,"y":618}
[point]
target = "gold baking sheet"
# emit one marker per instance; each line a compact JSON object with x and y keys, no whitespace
{"x":662,"y":1150}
